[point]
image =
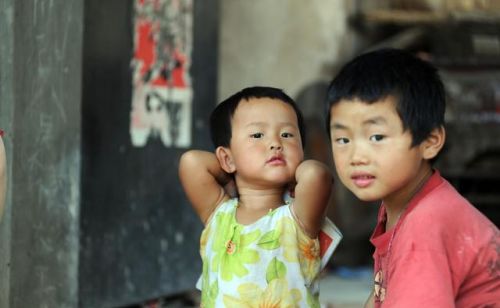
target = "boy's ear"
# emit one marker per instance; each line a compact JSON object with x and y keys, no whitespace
{"x":434,"y":143}
{"x":225,"y":158}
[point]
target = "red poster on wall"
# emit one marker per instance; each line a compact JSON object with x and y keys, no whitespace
{"x":162,"y":91}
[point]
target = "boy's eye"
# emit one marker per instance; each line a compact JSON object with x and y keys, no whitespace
{"x":257,"y":135}
{"x":377,"y":138}
{"x":286,"y":135}
{"x":342,"y":140}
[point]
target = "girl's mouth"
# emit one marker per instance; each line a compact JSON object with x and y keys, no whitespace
{"x":276,"y":160}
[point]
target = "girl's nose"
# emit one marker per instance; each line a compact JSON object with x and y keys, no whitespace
{"x":275,"y":146}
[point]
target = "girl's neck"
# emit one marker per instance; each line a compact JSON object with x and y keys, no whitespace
{"x":253,"y":204}
{"x":257,"y":199}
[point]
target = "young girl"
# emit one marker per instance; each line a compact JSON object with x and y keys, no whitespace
{"x":257,"y":249}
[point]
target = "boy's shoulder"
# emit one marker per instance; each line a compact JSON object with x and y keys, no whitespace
{"x":444,"y":202}
{"x":444,"y":213}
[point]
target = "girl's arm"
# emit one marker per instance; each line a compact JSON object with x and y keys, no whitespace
{"x":312,"y":195}
{"x":203,"y":181}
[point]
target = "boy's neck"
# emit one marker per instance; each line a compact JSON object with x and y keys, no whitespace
{"x":395,"y":209}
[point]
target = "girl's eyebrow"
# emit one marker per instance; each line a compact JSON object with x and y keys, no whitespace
{"x":265,"y":123}
{"x":336,"y":125}
{"x":256,"y":124}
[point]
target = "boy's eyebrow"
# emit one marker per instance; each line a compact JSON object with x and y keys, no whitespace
{"x":374,"y":120}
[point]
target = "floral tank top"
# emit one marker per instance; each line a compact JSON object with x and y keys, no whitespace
{"x":269,"y":263}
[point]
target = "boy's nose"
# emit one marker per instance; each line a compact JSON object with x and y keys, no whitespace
{"x":358,"y":155}
{"x":275,"y":147}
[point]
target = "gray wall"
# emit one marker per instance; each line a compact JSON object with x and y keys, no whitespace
{"x":288,"y":44}
{"x":40,"y":65}
{"x":6,"y":120}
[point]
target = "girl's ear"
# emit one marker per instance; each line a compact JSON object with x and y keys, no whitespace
{"x":434,"y":143}
{"x":225,"y":158}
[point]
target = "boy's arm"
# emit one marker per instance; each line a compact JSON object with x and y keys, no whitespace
{"x":312,"y":194}
{"x":203,"y":180}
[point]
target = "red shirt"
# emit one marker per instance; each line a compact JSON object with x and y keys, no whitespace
{"x":444,"y":253}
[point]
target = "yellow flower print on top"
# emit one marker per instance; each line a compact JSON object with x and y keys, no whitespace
{"x":288,"y":238}
{"x":309,"y":259}
{"x":269,"y":263}
{"x":308,"y":252}
{"x":231,"y":248}
{"x":276,"y":294}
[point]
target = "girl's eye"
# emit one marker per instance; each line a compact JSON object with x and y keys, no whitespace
{"x":377,"y":138}
{"x":342,"y":140}
{"x":286,"y":135}
{"x":257,"y":135}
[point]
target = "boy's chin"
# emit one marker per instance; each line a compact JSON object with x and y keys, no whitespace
{"x":366,"y":197}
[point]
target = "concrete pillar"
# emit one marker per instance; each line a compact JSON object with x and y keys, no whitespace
{"x":40,"y":103}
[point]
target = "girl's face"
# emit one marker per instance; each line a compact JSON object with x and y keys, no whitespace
{"x":372,"y":154}
{"x":265,"y":146}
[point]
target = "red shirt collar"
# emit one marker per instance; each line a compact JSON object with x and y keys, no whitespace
{"x":434,"y":181}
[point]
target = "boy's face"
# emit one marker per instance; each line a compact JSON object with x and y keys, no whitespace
{"x":265,"y":146}
{"x":372,"y":153}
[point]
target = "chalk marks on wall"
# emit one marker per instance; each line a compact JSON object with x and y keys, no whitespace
{"x":162,"y":91}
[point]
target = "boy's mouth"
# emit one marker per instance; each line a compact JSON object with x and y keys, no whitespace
{"x":362,"y":180}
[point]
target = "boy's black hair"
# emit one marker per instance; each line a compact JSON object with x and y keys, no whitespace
{"x":414,"y":83}
{"x":220,"y":119}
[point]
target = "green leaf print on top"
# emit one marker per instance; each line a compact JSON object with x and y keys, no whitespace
{"x":270,"y":240}
{"x":231,"y":248}
{"x":208,"y":297}
{"x":275,"y":270}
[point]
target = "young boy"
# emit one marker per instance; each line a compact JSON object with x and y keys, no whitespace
{"x":256,"y":249}
{"x":432,"y":247}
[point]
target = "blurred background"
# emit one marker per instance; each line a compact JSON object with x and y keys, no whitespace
{"x":98,"y":99}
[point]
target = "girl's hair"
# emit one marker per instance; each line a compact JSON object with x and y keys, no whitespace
{"x":220,"y":119}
